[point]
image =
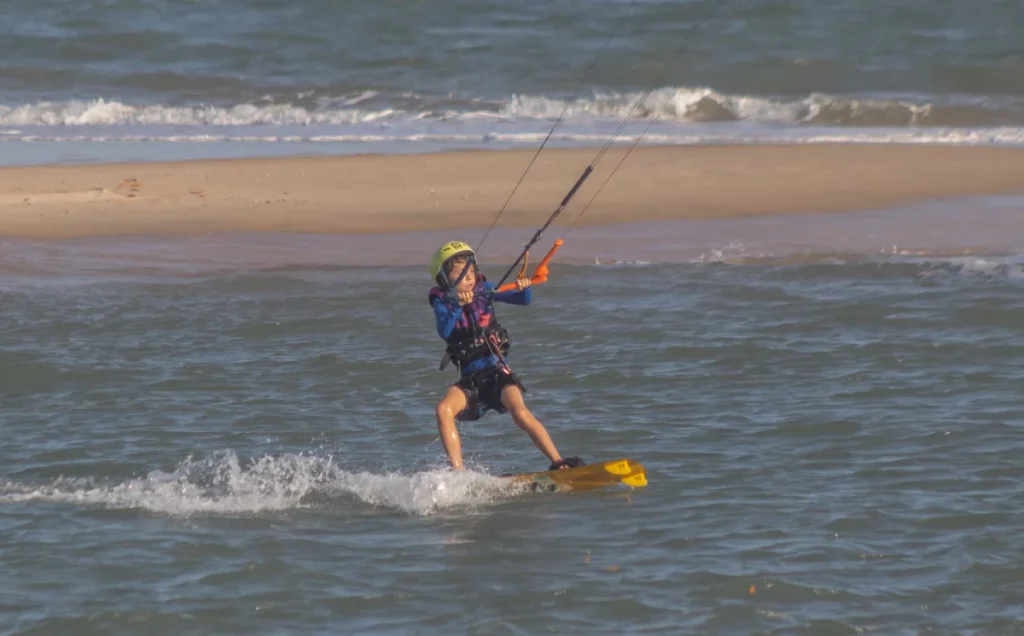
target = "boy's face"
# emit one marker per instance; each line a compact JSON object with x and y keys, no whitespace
{"x":468,"y":281}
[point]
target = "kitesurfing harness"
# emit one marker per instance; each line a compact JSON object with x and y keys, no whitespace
{"x":464,"y":348}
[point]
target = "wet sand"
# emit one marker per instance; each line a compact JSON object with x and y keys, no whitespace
{"x":937,"y":230}
{"x":400,"y":193}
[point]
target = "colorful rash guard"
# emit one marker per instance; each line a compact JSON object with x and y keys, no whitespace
{"x":456,"y":323}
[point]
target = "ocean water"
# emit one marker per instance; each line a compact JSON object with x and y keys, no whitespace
{"x":97,"y":79}
{"x":235,"y":434}
{"x":230,"y":434}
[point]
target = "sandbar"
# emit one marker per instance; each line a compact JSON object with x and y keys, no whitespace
{"x":359,"y":194}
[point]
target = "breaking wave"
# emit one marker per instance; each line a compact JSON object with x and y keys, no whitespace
{"x":687,"y":105}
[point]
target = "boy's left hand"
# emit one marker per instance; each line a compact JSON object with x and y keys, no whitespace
{"x":522,"y":283}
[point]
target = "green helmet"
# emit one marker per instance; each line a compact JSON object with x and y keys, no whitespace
{"x":447,"y":251}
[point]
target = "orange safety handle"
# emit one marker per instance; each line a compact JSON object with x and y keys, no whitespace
{"x":540,"y":275}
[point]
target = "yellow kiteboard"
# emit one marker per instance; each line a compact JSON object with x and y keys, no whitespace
{"x":603,"y":475}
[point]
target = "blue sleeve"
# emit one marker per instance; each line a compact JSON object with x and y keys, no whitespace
{"x":514,"y":297}
{"x":445,"y":316}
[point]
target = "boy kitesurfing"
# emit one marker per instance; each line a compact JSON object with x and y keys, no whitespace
{"x":463,"y":304}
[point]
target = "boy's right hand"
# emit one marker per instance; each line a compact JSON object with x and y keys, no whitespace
{"x":466,"y":297}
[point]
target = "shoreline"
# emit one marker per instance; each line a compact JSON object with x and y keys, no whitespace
{"x":384,"y":193}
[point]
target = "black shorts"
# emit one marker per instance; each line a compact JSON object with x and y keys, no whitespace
{"x":483,"y":391}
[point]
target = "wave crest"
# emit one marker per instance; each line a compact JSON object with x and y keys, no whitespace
{"x":683,"y":105}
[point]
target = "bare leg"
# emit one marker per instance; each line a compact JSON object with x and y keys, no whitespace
{"x":453,"y":403}
{"x":512,"y":400}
